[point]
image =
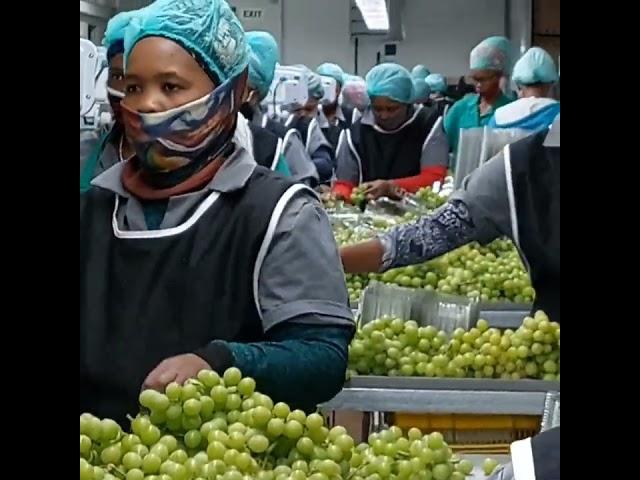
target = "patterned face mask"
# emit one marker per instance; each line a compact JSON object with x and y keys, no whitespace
{"x":193,"y":133}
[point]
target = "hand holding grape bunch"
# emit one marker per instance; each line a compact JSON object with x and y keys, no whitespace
{"x":175,"y":369}
{"x":381,"y":188}
{"x":221,"y":428}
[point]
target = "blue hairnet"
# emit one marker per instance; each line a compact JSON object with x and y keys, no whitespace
{"x":535,"y":66}
{"x":114,"y":34}
{"x":420,"y":71}
{"x":315,"y":86}
{"x":493,"y":53}
{"x":207,"y":28}
{"x":390,"y":80}
{"x":331,"y":70}
{"x":263,"y":56}
{"x":437,"y":82}
{"x":421,"y":90}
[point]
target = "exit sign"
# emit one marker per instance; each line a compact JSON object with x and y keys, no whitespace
{"x":252,"y":13}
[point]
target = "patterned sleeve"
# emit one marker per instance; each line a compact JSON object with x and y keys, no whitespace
{"x":448,"y":228}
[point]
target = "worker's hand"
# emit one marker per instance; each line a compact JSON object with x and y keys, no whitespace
{"x":327,"y":196}
{"x":382,"y":188}
{"x":175,"y":369}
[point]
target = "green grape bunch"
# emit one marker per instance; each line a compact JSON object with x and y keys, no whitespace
{"x":429,"y":199}
{"x":391,"y":346}
{"x":493,"y":273}
{"x":221,"y":428}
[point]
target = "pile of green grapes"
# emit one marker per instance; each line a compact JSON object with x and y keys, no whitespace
{"x":492,"y":274}
{"x":395,"y":347}
{"x":221,"y":428}
{"x":355,"y":286}
{"x":429,"y":199}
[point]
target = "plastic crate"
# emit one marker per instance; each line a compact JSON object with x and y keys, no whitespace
{"x":472,"y":433}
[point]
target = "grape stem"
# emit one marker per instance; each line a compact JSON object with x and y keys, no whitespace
{"x":116,"y":472}
{"x":356,"y":472}
{"x":267,"y":453}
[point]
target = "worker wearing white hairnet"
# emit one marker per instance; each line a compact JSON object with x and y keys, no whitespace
{"x":489,"y":62}
{"x":354,"y":95}
{"x":334,"y":118}
{"x":182,"y":247}
{"x":386,"y":149}
{"x":273,"y":145}
{"x":304,"y":119}
{"x":535,"y":75}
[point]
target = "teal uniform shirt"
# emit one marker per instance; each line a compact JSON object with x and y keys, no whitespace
{"x":465,"y":113}
{"x":282,"y":167}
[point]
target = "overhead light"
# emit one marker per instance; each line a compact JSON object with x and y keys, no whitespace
{"x":374,"y":13}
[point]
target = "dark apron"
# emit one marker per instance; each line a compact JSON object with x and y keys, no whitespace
{"x":535,"y":176}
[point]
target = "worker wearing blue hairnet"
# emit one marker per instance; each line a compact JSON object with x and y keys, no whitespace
{"x":332,"y":70}
{"x":336,"y":113}
{"x":113,"y":145}
{"x":304,"y":120}
{"x":386,"y":149}
{"x":334,"y":117}
{"x":489,"y":62}
{"x":535,"y":75}
{"x":420,"y":71}
{"x":421,"y":91}
{"x":182,"y":246}
{"x":392,"y":81}
{"x":438,"y":97}
{"x":437,"y":83}
{"x":289,"y":154}
{"x":515,"y":194}
{"x":263,"y":56}
{"x":316,"y":92}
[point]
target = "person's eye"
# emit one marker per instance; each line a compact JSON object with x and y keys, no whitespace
{"x":118,"y":77}
{"x":131,"y":89}
{"x":171,"y":87}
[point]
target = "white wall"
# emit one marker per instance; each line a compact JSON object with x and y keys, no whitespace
{"x":440,"y":34}
{"x":316,"y":31}
{"x":270,"y":18}
{"x":520,"y":24}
